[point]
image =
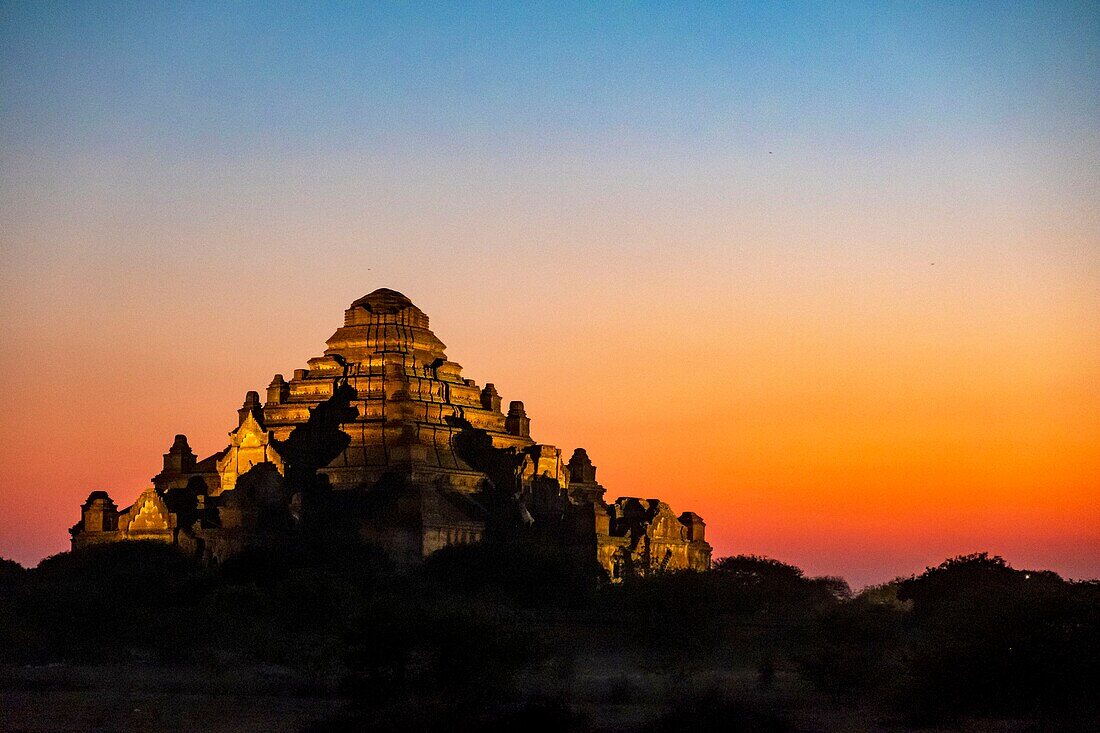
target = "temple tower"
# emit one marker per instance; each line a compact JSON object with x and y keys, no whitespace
{"x":406,"y":403}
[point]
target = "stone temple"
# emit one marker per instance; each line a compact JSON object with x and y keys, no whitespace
{"x":382,"y":440}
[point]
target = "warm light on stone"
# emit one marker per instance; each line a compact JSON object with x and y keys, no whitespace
{"x":382,"y":436}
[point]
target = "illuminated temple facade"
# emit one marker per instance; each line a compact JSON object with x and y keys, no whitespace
{"x":382,"y":440}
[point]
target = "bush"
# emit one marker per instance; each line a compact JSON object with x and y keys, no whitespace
{"x":988,"y":639}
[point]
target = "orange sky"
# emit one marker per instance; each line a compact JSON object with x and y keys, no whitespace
{"x":856,"y":427}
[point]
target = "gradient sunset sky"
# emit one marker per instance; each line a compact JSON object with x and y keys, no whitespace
{"x":826,"y":274}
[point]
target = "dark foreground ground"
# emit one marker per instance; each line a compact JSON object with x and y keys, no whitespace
{"x":133,"y":637}
{"x":141,"y":697}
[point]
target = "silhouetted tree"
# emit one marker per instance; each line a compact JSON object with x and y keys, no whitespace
{"x":989,"y":639}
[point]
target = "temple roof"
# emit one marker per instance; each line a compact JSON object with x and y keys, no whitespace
{"x":384,"y":300}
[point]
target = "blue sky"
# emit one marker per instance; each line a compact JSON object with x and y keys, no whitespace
{"x":193,"y":78}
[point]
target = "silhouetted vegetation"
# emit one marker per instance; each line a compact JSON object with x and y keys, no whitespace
{"x":988,"y":639}
{"x":513,"y":635}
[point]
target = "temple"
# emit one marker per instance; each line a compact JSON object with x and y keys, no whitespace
{"x":382,"y":440}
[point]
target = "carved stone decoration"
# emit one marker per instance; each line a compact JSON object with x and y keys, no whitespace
{"x":148,"y":516}
{"x":249,"y":445}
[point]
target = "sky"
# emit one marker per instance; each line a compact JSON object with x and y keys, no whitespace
{"x":827,"y":274}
